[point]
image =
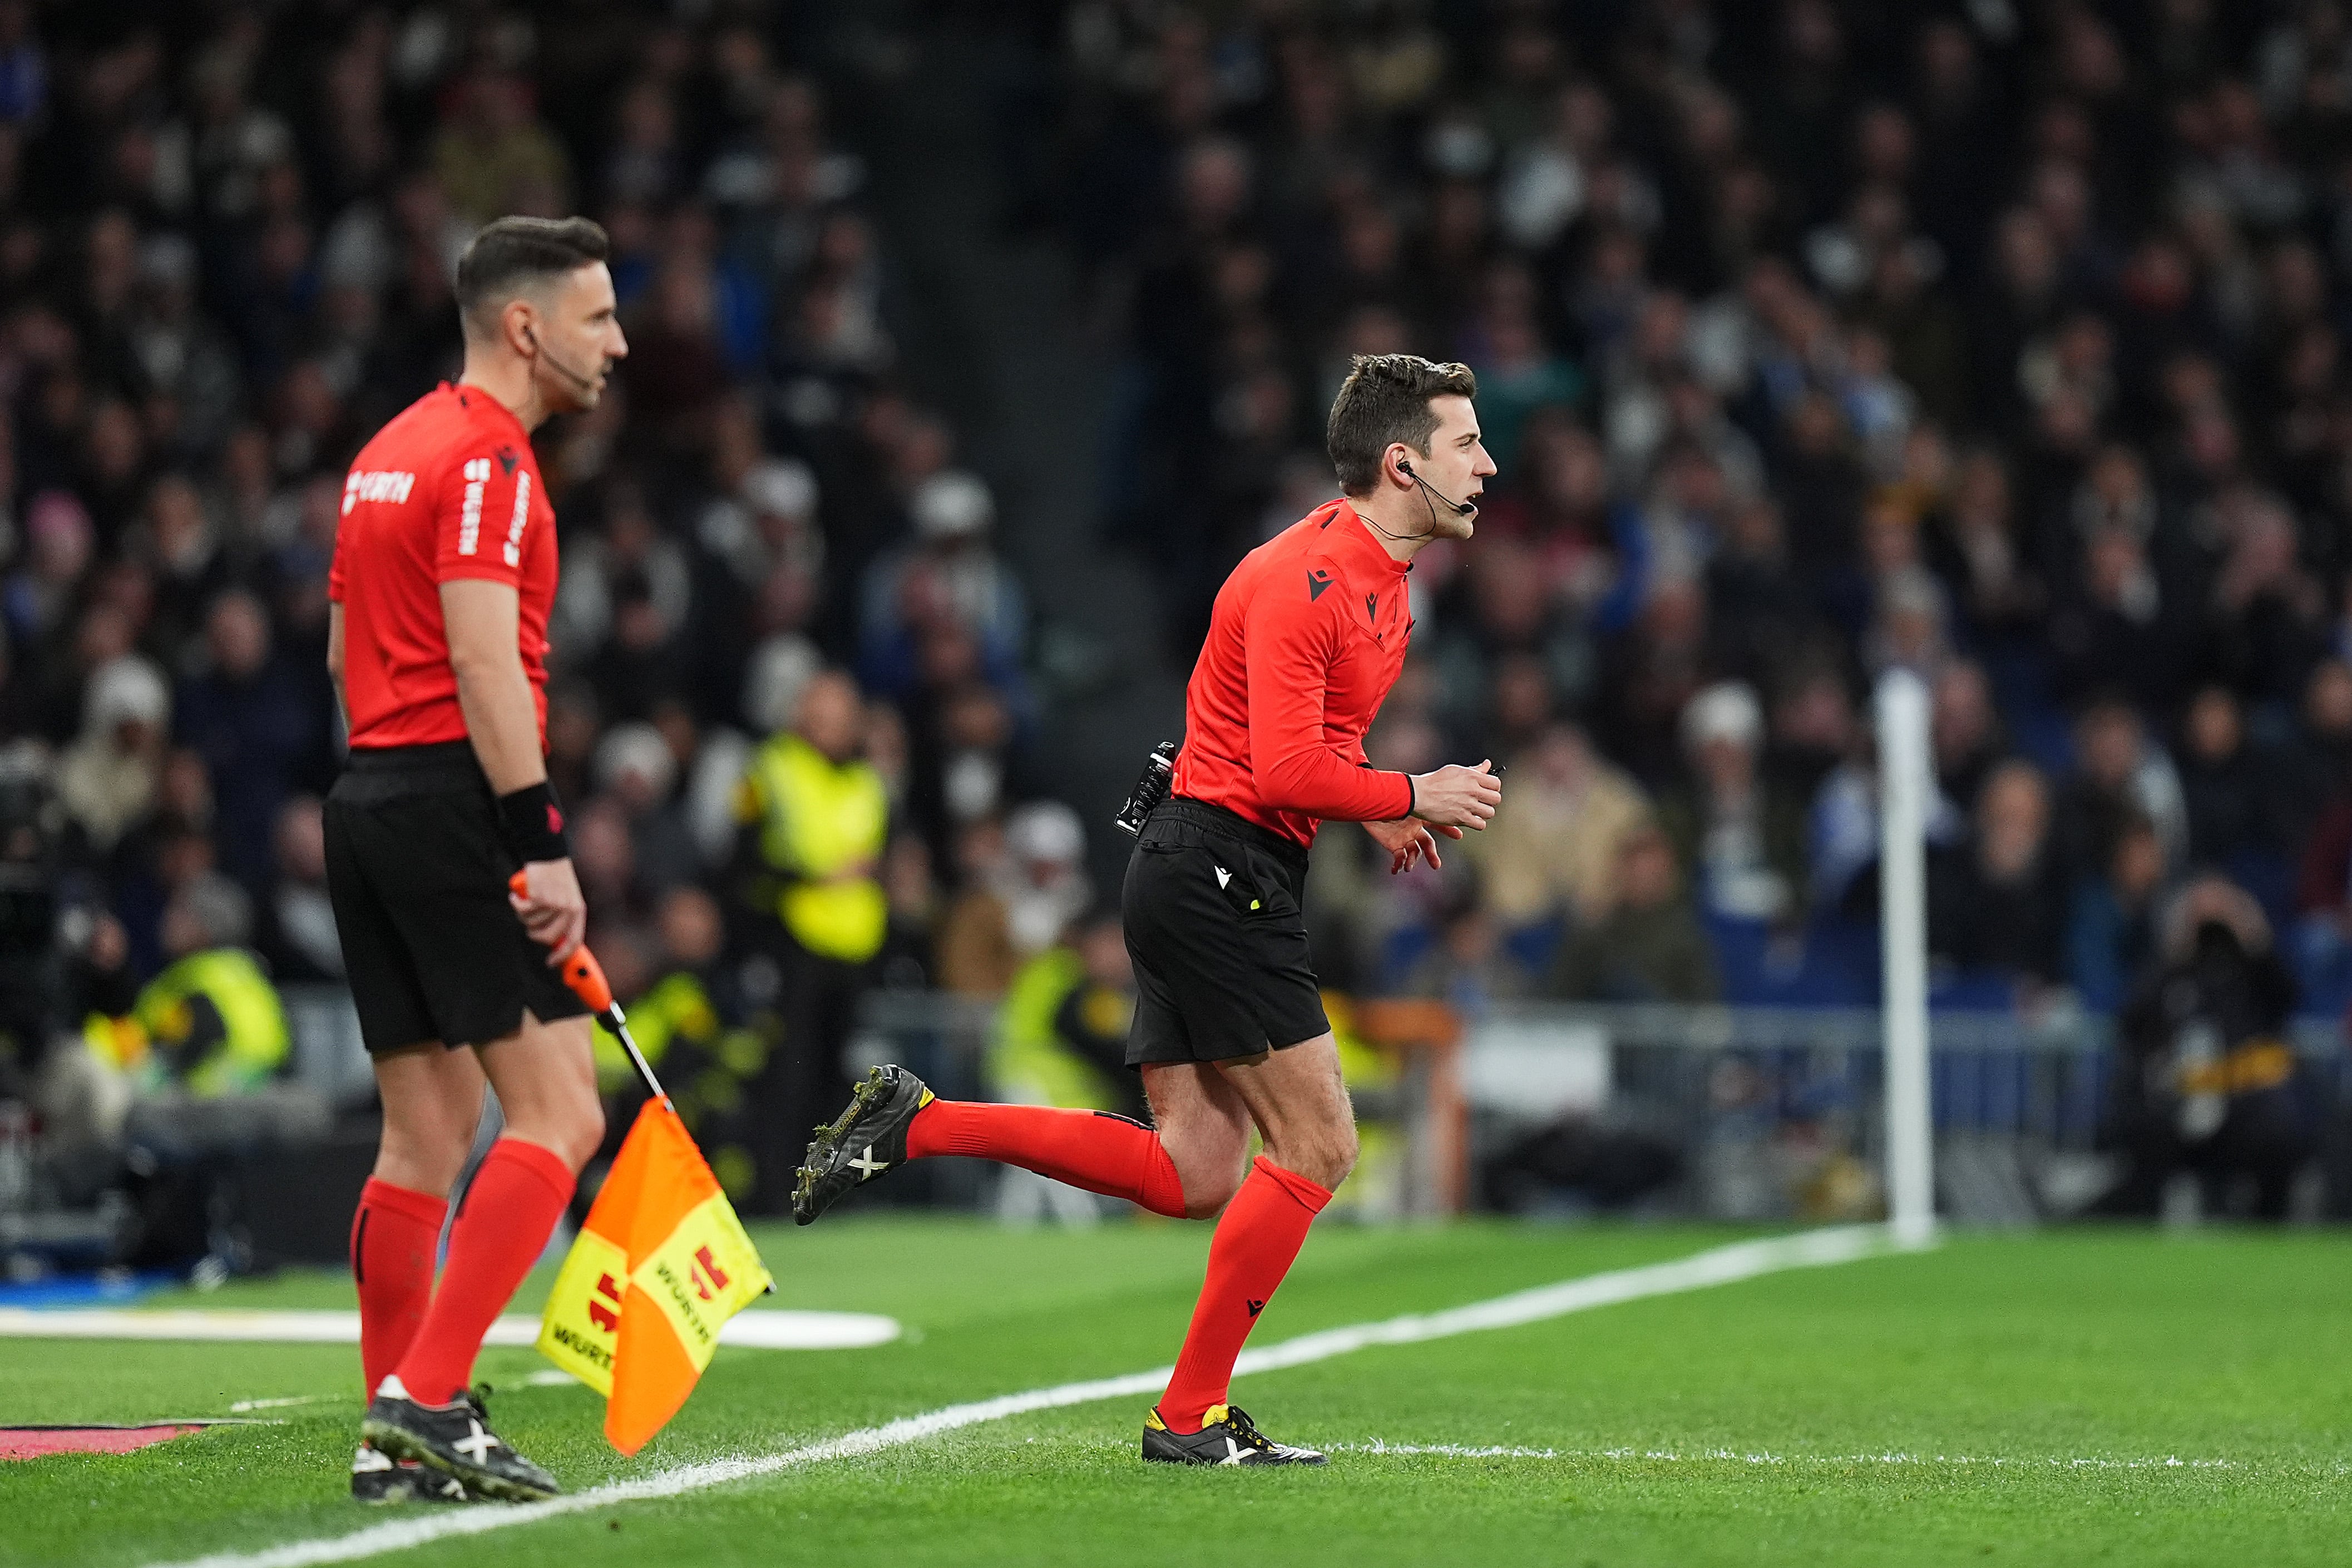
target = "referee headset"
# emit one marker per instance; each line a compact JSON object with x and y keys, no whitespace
{"x":538,"y":349}
{"x":1431,"y":497}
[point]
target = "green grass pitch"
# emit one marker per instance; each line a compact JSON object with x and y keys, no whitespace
{"x":1751,"y":1422}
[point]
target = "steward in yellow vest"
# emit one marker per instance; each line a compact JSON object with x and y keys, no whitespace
{"x":210,"y":1023}
{"x":819,"y":818}
{"x":815,"y":820}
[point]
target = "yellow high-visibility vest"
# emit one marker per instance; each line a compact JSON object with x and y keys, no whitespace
{"x":820,"y":816}
{"x":256,"y":1042}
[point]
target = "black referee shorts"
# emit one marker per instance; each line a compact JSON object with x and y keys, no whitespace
{"x":1212,"y":911}
{"x":417,"y":871}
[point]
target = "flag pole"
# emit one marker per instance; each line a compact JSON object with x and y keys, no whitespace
{"x":586,"y":977}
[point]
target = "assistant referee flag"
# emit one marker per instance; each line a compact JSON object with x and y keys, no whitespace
{"x":661,"y":1264}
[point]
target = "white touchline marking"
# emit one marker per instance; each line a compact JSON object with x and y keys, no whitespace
{"x":545,"y":1377}
{"x":241,"y":1405}
{"x":1700,"y":1270}
{"x":1742,"y":1456}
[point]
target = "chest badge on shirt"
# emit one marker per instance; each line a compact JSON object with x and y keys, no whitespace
{"x":507,"y":461}
{"x":1317,"y":582}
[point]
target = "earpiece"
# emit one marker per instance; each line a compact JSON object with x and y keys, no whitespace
{"x":1461,"y":508}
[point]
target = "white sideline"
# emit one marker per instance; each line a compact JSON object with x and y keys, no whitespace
{"x":1741,"y":1457}
{"x":1717,"y":1266}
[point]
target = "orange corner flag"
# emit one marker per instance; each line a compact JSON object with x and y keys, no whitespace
{"x":659,"y":1268}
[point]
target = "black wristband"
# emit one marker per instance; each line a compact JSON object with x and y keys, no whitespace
{"x":1412,"y":798}
{"x":533,"y":824}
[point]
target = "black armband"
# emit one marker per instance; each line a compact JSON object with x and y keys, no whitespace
{"x":533,"y":824}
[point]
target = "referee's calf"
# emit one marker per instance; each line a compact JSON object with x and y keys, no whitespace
{"x":444,"y":573}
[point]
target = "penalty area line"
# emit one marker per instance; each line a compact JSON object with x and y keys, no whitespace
{"x":1701,"y":1271}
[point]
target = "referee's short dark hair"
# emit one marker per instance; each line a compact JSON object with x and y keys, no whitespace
{"x":1385,"y":398}
{"x":515,"y":256}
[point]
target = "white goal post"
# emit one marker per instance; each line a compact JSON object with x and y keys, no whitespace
{"x":1904,"y":789}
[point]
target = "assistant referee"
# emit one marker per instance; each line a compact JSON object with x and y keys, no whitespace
{"x":1307,"y":636}
{"x":444,"y":573}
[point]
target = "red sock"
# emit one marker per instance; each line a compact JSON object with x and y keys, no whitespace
{"x":392,"y":1240}
{"x":1260,"y":1233}
{"x":1098,"y":1152}
{"x":502,"y":1224}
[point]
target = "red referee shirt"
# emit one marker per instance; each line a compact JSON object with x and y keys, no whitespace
{"x":1307,"y":636}
{"x":449,"y":489}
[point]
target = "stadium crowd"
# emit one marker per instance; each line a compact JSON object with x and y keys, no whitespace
{"x":2001,"y":344}
{"x":790,"y":707}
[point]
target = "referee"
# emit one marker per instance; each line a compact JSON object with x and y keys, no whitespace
{"x":444,"y":572}
{"x":1307,"y":638}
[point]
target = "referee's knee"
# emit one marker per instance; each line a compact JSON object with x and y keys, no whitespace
{"x":1324,"y":1155}
{"x":588,"y":1135}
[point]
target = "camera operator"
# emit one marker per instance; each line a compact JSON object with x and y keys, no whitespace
{"x":2207,"y":1082}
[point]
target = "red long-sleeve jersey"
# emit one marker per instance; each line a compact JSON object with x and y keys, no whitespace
{"x":1307,"y":636}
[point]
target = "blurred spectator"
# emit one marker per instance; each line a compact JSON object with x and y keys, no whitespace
{"x":2119,"y":630}
{"x":2120,"y":775}
{"x":297,"y":933}
{"x":256,"y":722}
{"x":948,"y":578}
{"x":2265,"y":622}
{"x":1648,"y":946}
{"x":494,"y":157}
{"x":107,"y":779}
{"x":2111,"y":926}
{"x":2226,"y":795}
{"x":1998,"y":904}
{"x":636,"y":768}
{"x":2317,"y":763}
{"x":1554,"y":854}
{"x":906,"y":960}
{"x":1741,"y":834}
{"x":1966,"y":733}
{"x":1469,"y":968}
{"x":1015,"y":903}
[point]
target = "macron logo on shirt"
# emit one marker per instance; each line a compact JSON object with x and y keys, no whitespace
{"x":376,"y":484}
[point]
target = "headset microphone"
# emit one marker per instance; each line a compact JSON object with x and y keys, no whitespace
{"x":1460,"y":509}
{"x":586,"y":383}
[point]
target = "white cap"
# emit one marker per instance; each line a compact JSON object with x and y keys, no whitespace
{"x":1044,"y":830}
{"x":1726,"y":711}
{"x":125,"y":690}
{"x":778,"y":669}
{"x":952,"y":505}
{"x":636,"y":748}
{"x":781,"y":487}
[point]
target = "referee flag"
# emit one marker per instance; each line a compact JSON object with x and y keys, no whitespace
{"x":661,"y":1264}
